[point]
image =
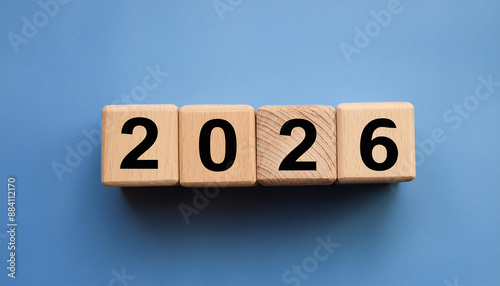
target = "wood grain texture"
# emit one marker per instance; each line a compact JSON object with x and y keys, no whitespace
{"x":272,"y":147}
{"x":352,"y":118}
{"x":192,"y":171}
{"x":115,"y":145}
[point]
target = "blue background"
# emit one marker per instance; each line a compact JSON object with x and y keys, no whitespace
{"x":443,"y":228}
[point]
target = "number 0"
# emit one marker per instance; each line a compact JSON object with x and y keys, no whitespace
{"x":204,"y":145}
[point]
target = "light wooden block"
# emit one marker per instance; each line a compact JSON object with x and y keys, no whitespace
{"x":217,"y":164}
{"x":282,"y":129}
{"x":363,"y":126}
{"x":136,"y":127}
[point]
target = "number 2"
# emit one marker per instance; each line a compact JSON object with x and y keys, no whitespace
{"x":131,"y":161}
{"x":290,"y":163}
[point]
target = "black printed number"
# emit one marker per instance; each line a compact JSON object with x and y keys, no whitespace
{"x":367,"y":144}
{"x":230,"y":154}
{"x":131,"y":161}
{"x":290,"y":163}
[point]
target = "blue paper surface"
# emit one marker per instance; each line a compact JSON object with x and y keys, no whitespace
{"x":60,"y":63}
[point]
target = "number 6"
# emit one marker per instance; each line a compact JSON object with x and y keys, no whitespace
{"x":367,"y":144}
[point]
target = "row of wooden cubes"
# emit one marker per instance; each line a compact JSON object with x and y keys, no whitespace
{"x":230,"y":145}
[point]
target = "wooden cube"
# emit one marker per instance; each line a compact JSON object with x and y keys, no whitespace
{"x":217,"y":145}
{"x":296,"y":145}
{"x":140,"y":145}
{"x":375,"y":142}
